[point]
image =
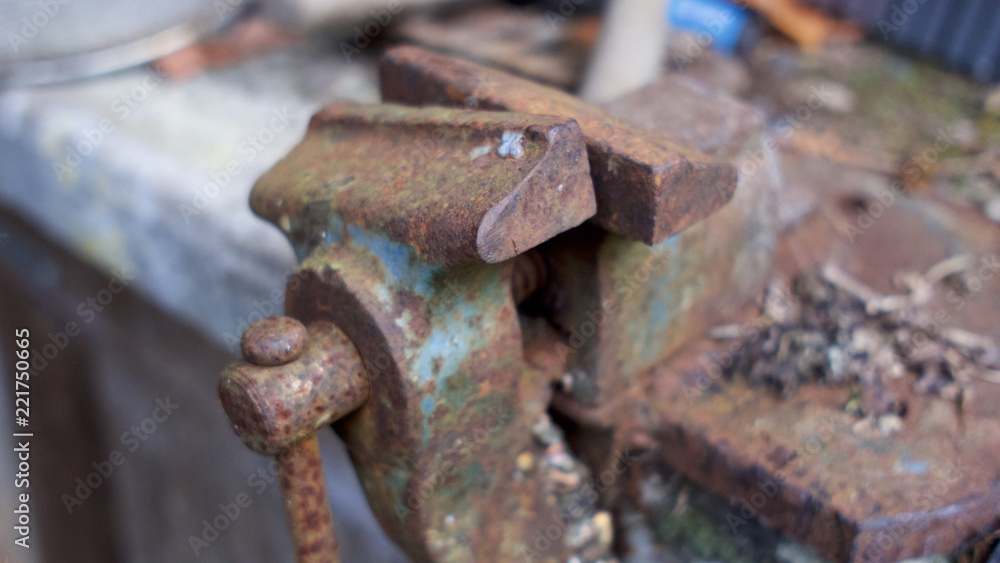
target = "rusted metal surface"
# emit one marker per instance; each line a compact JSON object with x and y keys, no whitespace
{"x":799,"y":465}
{"x":273,"y":407}
{"x":648,"y":187}
{"x":403,"y":217}
{"x":457,"y":186}
{"x":452,"y":401}
{"x":805,"y":462}
{"x":307,"y":507}
{"x":624,"y":306}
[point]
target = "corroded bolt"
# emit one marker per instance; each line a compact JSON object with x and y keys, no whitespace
{"x":293,"y":382}
{"x":275,"y":341}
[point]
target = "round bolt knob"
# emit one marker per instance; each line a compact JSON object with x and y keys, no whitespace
{"x":275,"y":341}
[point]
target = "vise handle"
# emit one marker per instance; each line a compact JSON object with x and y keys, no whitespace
{"x":293,"y":381}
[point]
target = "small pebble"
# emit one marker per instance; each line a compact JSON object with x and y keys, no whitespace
{"x":992,"y":104}
{"x":890,"y":424}
{"x":525,"y":462}
{"x":605,"y":532}
{"x":579,"y":535}
{"x":992,"y":210}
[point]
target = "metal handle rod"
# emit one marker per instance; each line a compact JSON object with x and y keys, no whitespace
{"x":307,"y":507}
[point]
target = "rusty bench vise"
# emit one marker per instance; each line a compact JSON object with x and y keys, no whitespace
{"x":459,"y":265}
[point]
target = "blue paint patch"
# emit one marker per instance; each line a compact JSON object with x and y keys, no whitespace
{"x":716,"y":21}
{"x":659,"y":316}
{"x":671,"y":243}
{"x":427,"y":405}
{"x":451,"y":340}
{"x":408,"y":270}
{"x":912,"y":466}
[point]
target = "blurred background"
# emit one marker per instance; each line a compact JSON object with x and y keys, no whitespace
{"x":131,"y":133}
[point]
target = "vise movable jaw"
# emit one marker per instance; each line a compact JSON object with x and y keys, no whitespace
{"x":411,"y":225}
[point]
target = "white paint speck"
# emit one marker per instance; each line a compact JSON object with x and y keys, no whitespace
{"x":510,"y":144}
{"x":480,"y":151}
{"x":559,"y":187}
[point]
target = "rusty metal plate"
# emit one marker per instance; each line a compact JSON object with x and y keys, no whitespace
{"x":648,"y":187}
{"x":458,"y":186}
{"x":804,"y":463}
{"x":799,"y":466}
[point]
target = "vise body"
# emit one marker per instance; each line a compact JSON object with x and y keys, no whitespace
{"x":469,"y":249}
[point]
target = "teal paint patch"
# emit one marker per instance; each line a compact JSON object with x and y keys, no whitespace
{"x":474,"y":477}
{"x":427,"y":405}
{"x":656,"y":300}
{"x":458,"y":391}
{"x":659,"y":316}
{"x":396,"y":480}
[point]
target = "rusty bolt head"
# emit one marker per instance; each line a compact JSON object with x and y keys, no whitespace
{"x":275,"y":341}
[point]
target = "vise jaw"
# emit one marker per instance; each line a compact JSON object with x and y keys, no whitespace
{"x":415,"y":228}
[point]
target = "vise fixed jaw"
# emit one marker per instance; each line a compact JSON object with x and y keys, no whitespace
{"x":408,"y":223}
{"x":455,"y":186}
